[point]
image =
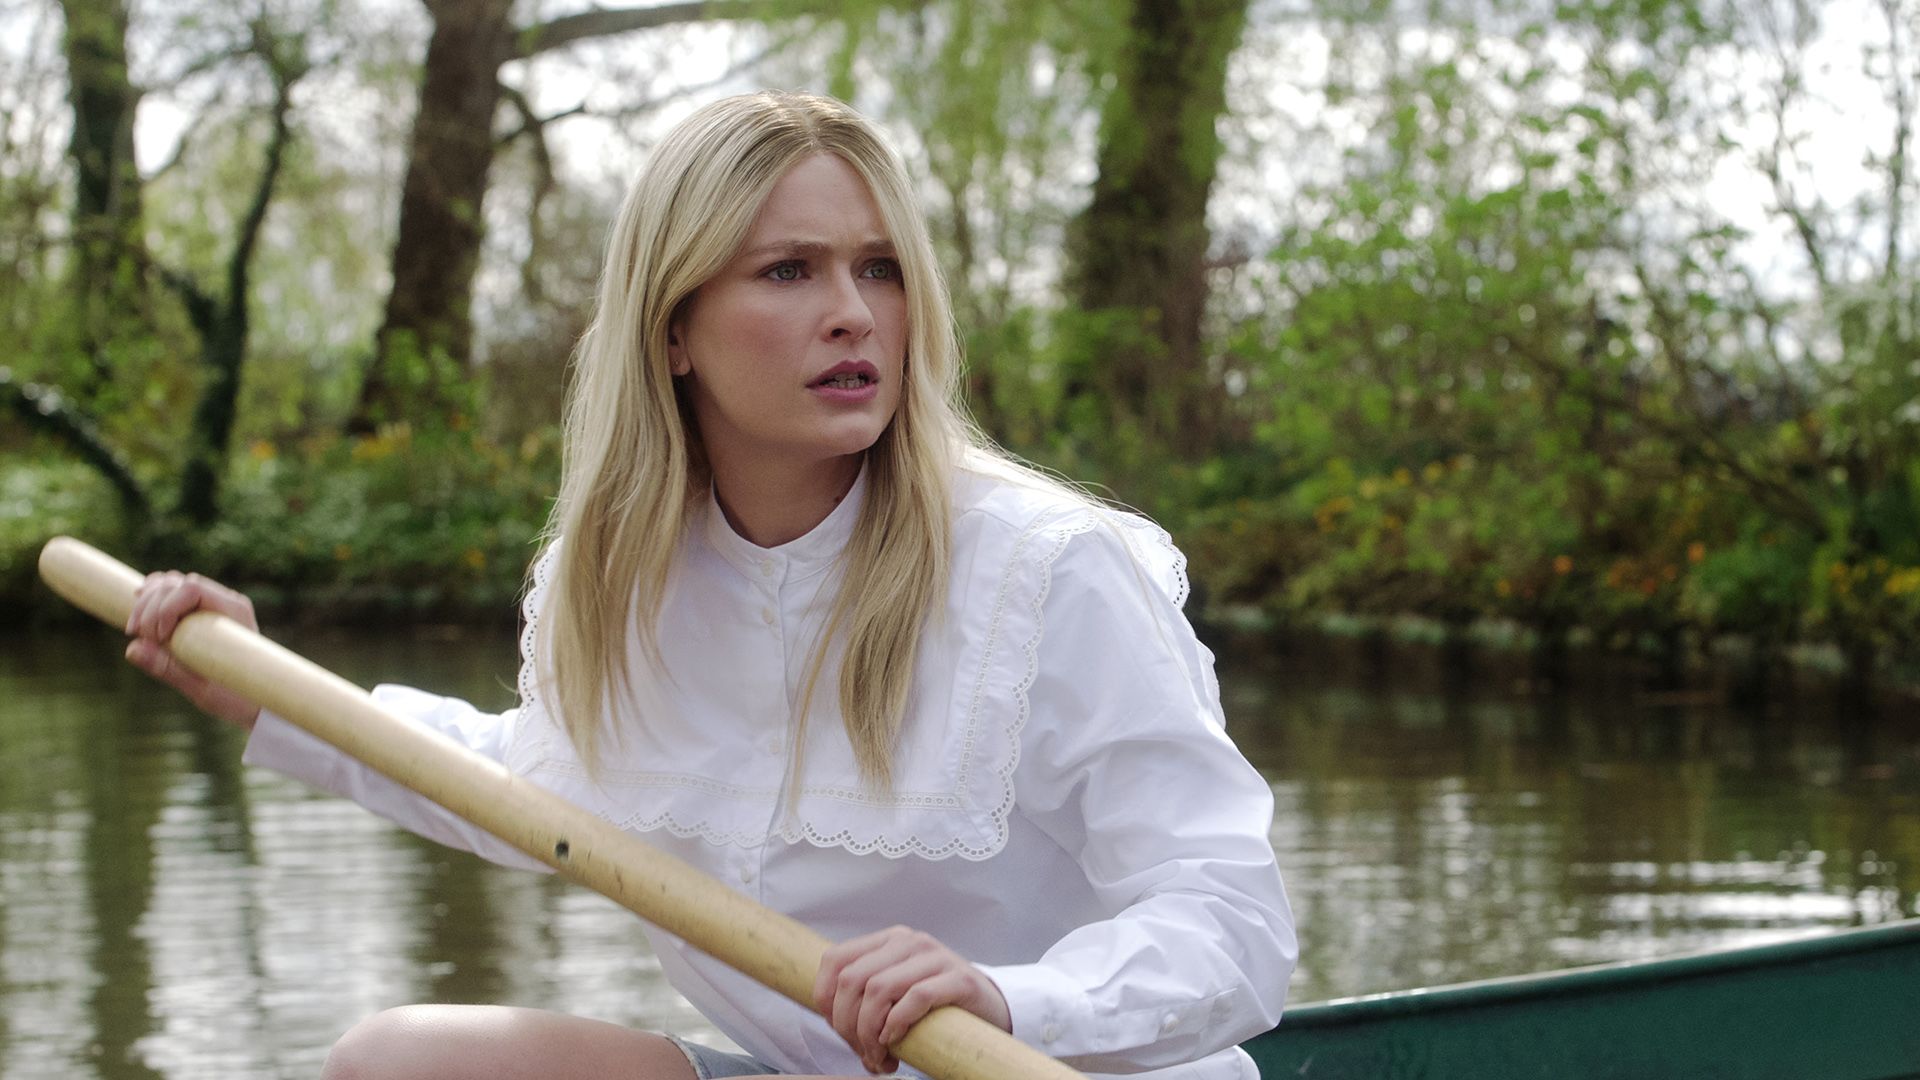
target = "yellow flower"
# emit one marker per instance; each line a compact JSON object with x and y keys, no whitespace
{"x":1503,"y":587}
{"x":342,"y":552}
{"x":372,"y":448}
{"x":1328,"y":512}
{"x":1433,"y":472}
{"x":260,"y":450}
{"x":1562,"y":565}
{"x":474,"y":558}
{"x":1696,"y":551}
{"x":1402,"y":477}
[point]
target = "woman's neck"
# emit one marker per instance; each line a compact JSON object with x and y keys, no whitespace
{"x":775,"y":505}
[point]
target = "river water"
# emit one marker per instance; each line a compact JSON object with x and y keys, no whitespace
{"x":165,"y":913}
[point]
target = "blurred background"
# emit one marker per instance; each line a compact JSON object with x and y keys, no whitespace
{"x":1534,"y":386}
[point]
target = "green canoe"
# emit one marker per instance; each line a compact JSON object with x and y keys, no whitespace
{"x":1844,"y":1006}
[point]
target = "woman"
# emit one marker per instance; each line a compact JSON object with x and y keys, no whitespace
{"x":802,"y":628}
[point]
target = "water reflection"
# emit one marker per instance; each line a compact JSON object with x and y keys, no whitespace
{"x":164,"y":913}
{"x":1437,"y":833}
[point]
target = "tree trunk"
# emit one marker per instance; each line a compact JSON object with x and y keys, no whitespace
{"x":1139,"y":249}
{"x":223,"y":324}
{"x":423,"y":348}
{"x":105,"y":287}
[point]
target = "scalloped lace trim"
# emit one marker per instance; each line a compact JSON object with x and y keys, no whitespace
{"x":538,"y":745}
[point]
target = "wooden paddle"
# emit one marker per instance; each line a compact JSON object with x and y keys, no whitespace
{"x":770,"y":947}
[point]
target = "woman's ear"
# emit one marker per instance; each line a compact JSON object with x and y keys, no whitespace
{"x":677,"y":361}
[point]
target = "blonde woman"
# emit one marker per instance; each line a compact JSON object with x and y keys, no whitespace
{"x":798,"y":625}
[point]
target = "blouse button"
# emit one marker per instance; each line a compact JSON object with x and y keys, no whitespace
{"x":746,"y":875}
{"x":1050,"y":1033}
{"x":766,"y":567}
{"x":766,"y":615}
{"x":1168,"y":1023}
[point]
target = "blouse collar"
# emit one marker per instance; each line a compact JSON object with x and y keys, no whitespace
{"x":798,"y":558}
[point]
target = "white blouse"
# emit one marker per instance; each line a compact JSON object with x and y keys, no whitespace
{"x":1067,"y":809}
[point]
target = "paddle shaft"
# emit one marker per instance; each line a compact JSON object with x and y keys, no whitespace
{"x":777,"y":951}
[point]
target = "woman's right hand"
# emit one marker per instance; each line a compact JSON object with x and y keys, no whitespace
{"x":161,"y":601}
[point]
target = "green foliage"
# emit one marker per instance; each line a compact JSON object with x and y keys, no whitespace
{"x":41,"y":498}
{"x":403,"y":520}
{"x":1522,"y":382}
{"x":1507,"y":357}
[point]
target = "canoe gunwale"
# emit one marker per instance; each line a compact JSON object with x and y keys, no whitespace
{"x":1599,"y":978}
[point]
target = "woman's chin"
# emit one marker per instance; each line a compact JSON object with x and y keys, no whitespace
{"x":851,"y":439}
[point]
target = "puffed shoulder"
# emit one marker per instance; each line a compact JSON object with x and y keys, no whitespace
{"x":988,"y":494}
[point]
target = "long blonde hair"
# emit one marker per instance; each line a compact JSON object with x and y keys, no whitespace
{"x":633,"y":468}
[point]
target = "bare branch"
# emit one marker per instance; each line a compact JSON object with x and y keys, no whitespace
{"x":560,"y":32}
{"x":1789,"y":48}
{"x":1789,"y":384}
{"x":287,"y":67}
{"x":1902,"y":93}
{"x":200,"y":65}
{"x":1772,"y":164}
{"x":603,"y":22}
{"x":1688,"y":432}
{"x":535,"y":126}
{"x":532,"y":123}
{"x":691,"y":89}
{"x":201,"y":307}
{"x":186,"y":138}
{"x":45,"y":409}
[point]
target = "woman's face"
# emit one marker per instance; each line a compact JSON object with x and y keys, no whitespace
{"x":793,"y":354}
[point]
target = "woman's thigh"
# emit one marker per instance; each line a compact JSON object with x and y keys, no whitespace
{"x":496,"y":1042}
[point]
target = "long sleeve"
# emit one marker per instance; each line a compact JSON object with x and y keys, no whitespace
{"x":277,"y":744}
{"x":1126,"y":765}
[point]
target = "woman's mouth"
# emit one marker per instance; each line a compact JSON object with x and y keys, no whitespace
{"x":849,"y":384}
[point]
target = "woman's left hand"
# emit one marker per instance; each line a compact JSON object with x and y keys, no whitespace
{"x":873,"y":988}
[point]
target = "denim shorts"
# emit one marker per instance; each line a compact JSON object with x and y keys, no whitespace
{"x":711,"y":1064}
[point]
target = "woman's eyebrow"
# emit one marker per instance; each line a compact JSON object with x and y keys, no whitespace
{"x":813,"y":248}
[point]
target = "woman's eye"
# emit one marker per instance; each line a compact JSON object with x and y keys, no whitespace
{"x":785,"y":272}
{"x":884,"y":270}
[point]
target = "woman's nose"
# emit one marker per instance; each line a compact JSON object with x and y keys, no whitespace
{"x":850,"y":316}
